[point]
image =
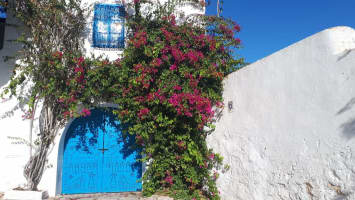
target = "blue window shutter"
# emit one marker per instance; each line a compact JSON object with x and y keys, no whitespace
{"x":108,"y":27}
{"x":3,"y":16}
{"x":3,"y":5}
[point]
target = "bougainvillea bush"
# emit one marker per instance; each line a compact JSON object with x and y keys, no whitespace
{"x":170,"y":83}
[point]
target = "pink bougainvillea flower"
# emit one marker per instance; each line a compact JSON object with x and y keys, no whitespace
{"x":237,"y":40}
{"x":193,"y":83}
{"x":139,"y":99}
{"x":28,"y":115}
{"x":139,"y":140}
{"x":79,"y":69}
{"x":168,"y":178}
{"x":219,"y":104}
{"x":80,"y":60}
{"x":177,"y":54}
{"x":168,"y":35}
{"x":85,"y":112}
{"x":123,"y":113}
{"x":211,"y":156}
{"x":172,"y":20}
{"x":72,"y":99}
{"x":173,"y":67}
{"x":200,"y":54}
{"x":157,"y":62}
{"x":150,"y":97}
{"x":146,"y":85}
{"x":165,"y":57}
{"x":160,"y":96}
{"x":189,"y":114}
{"x":174,"y":100}
{"x":138,"y":67}
{"x":58,"y":54}
{"x":222,"y":27}
{"x":80,"y":78}
{"x":143,"y":112}
{"x":177,"y":87}
{"x":192,"y":56}
{"x":139,"y":39}
{"x":222,"y":48}
{"x":66,"y":114}
{"x":237,"y":28}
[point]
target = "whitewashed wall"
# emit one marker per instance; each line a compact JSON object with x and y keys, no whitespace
{"x":15,"y":153}
{"x":291,"y":132}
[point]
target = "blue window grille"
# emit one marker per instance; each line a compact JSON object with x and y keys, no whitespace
{"x":108,"y":28}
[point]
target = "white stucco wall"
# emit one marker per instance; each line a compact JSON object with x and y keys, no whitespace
{"x":13,"y":153}
{"x":291,"y":132}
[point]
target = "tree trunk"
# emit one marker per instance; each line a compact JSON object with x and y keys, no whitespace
{"x":36,"y":165}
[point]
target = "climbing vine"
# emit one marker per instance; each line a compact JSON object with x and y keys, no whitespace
{"x":43,"y":68}
{"x":167,"y":86}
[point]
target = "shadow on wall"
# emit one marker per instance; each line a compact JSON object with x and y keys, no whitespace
{"x":7,"y":62}
{"x":348,"y":128}
{"x":347,"y":107}
{"x":10,"y":111}
{"x":341,"y":198}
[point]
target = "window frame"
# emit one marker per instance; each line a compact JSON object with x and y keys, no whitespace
{"x":108,"y":14}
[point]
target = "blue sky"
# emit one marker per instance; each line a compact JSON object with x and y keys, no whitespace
{"x":268,"y":26}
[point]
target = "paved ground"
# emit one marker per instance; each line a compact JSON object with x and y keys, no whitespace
{"x":107,"y":196}
{"x":111,"y":196}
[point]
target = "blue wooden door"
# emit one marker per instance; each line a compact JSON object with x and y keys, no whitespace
{"x":98,"y":157}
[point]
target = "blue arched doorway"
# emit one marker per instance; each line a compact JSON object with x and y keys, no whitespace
{"x":98,"y":157}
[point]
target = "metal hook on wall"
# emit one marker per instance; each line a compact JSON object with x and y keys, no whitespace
{"x":230,"y":106}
